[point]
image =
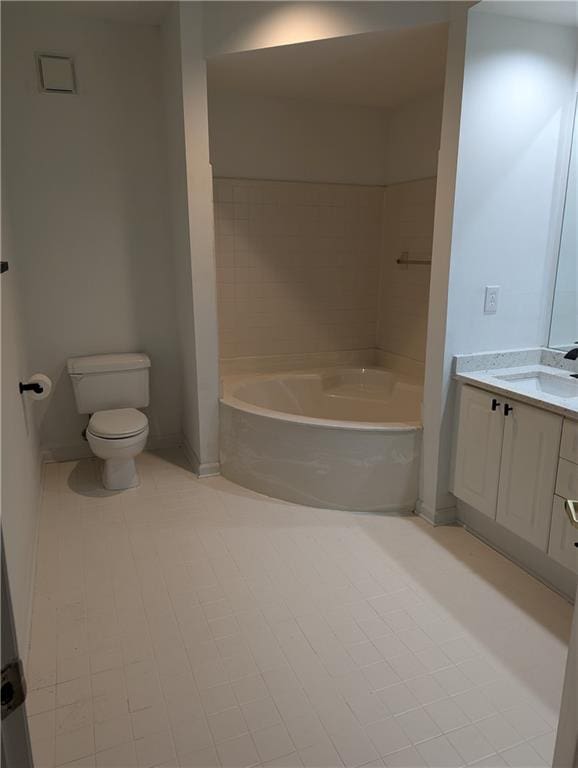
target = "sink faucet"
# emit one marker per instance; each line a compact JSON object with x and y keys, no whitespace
{"x":572,"y":354}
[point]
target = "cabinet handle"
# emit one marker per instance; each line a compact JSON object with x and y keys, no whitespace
{"x":495,"y":404}
{"x":570,"y":507}
{"x":508,"y":409}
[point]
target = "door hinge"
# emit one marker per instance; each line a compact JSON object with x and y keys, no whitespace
{"x":13,"y":690}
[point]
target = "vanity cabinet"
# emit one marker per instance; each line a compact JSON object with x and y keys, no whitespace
{"x":569,"y":443}
{"x":478,"y":450}
{"x":567,"y":481}
{"x":563,"y":536}
{"x":505,"y":465}
{"x":528,"y":472}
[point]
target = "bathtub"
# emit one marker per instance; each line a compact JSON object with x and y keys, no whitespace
{"x":340,"y":438}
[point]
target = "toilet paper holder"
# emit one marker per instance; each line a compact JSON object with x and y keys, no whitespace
{"x":34,"y":387}
{"x":38,"y":386}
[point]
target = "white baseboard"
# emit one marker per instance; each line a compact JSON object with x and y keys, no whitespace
{"x":81,"y":450}
{"x":446,"y":516}
{"x":201,"y":469}
{"x":76,"y":451}
{"x":71,"y":452}
{"x":209,"y":469}
{"x":160,"y":442}
{"x":531,"y":559}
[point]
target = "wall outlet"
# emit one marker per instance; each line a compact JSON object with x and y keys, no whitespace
{"x":491,"y":300}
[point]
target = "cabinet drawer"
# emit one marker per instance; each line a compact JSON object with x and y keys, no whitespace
{"x":562,"y":537}
{"x":569,"y":444}
{"x":567,"y":480}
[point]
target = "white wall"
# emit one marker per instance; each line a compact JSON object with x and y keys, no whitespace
{"x":20,"y":458}
{"x":190,"y":188}
{"x":290,"y":140}
{"x":179,"y":223}
{"x":436,"y":416}
{"x":260,"y":138}
{"x":413,"y":139}
{"x":517,"y":84}
{"x":87,"y":184}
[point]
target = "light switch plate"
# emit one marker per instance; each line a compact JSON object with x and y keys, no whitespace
{"x":56,"y":73}
{"x":491,"y":299}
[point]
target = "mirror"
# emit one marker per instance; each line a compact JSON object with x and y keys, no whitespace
{"x":564,"y":324}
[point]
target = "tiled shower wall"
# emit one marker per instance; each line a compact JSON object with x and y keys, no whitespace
{"x":403,"y":296}
{"x":300,"y":267}
{"x":297,"y":266}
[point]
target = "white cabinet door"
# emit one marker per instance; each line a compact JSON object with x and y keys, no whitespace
{"x":478,"y":450}
{"x":563,"y":537}
{"x":528,"y":472}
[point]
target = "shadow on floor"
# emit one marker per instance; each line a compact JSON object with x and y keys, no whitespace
{"x":85,"y":476}
{"x":521,"y":603}
{"x":488,"y":595}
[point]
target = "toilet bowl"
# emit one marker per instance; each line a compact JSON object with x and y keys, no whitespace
{"x":117,"y":436}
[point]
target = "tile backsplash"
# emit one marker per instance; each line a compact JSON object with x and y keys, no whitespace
{"x":300,"y":265}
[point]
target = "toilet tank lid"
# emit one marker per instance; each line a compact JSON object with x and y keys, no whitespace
{"x":128,"y":361}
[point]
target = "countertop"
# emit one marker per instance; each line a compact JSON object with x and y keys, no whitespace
{"x":482,"y":370}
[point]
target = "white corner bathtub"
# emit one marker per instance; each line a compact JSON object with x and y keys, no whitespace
{"x":340,"y":438}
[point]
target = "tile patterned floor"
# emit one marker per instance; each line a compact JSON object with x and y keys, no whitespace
{"x":192,"y":623}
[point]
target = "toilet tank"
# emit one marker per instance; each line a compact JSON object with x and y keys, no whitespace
{"x":103,"y":382}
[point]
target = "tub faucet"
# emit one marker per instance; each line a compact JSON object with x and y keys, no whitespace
{"x":572,"y":354}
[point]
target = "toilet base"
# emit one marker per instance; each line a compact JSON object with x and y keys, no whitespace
{"x":120,"y":474}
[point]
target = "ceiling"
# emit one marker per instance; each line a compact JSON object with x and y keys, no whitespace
{"x":379,"y":69}
{"x":151,"y":12}
{"x":563,"y":12}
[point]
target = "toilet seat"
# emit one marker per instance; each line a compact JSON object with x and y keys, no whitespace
{"x":117,"y":424}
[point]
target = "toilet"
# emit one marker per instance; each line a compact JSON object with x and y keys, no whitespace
{"x":112,"y":388}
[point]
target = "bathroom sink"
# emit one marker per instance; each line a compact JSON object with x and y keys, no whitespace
{"x":538,"y":382}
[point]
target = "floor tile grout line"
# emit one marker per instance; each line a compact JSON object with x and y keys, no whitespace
{"x":300,"y":543}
